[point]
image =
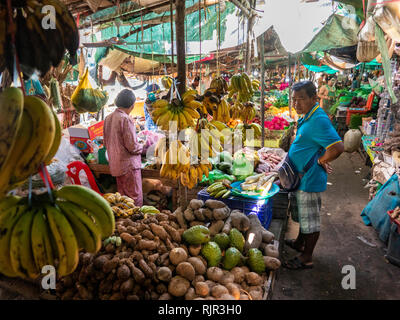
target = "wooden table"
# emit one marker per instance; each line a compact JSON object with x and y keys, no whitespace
{"x":179,"y":194}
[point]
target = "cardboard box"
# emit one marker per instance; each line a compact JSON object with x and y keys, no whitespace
{"x":81,"y":144}
{"x":96,"y":130}
{"x":80,"y":134}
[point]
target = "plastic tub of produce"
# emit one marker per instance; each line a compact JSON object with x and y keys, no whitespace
{"x":263,"y":208}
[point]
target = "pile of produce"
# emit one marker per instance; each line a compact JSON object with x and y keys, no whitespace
{"x":258,"y":184}
{"x":89,"y":100}
{"x":52,"y":233}
{"x":159,"y":258}
{"x":122,"y":206}
{"x":269,"y":160}
{"x":357,"y":102}
{"x":243,"y":87}
{"x":392,"y":143}
{"x":255,"y":132}
{"x":182,"y":111}
{"x":167,"y":82}
{"x":219,"y":190}
{"x":37,"y":48}
{"x":219,"y":86}
{"x":243,"y":111}
{"x":176,"y":164}
{"x":277,"y":123}
{"x":30,"y":134}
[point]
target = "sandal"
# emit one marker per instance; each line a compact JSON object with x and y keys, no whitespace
{"x":297,"y":264}
{"x":290,"y":243}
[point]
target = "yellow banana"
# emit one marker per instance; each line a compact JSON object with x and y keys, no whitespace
{"x":7,"y":222}
{"x":162,"y":103}
{"x":90,"y":200}
{"x":41,"y":242}
{"x":42,"y":138}
{"x":56,"y":141}
{"x":87,"y":233}
{"x":65,"y":239}
{"x":8,"y":202}
{"x":21,"y":255}
{"x":11,"y":107}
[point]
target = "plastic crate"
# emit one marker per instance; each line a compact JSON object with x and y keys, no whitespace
{"x":263,"y":208}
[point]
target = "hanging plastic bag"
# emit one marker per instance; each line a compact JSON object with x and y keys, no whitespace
{"x":242,"y":168}
{"x":86,"y":99}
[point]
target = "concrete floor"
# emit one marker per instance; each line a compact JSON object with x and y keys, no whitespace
{"x":338,"y":245}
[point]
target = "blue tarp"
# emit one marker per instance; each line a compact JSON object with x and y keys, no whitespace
{"x":386,"y":199}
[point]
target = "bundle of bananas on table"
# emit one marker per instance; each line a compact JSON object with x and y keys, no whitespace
{"x":177,"y":165}
{"x":208,"y":140}
{"x":52,"y":233}
{"x":220,"y":85}
{"x":219,"y":190}
{"x":255,"y":127}
{"x":222,"y":113}
{"x":122,"y":206}
{"x":183,"y":111}
{"x":30,"y":134}
{"x":210,"y":101}
{"x":243,"y":87}
{"x":167,"y":81}
{"x":37,"y":48}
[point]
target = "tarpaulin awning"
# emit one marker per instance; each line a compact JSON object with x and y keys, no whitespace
{"x":338,"y":32}
{"x":324,"y":68}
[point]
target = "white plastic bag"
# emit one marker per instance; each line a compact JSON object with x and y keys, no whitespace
{"x":352,"y":140}
{"x":67,"y":153}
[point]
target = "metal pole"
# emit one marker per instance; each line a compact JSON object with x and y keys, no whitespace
{"x":261,"y":44}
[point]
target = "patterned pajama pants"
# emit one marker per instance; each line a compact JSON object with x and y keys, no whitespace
{"x":305,"y":209}
{"x":130,"y":185}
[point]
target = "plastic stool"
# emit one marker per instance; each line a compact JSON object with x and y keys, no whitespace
{"x":74,"y":168}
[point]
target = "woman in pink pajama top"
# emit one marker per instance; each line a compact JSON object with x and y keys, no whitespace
{"x":123,"y":149}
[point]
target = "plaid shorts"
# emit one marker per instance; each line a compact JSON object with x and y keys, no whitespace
{"x":305,"y":208}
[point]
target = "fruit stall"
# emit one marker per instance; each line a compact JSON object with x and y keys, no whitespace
{"x":213,"y":242}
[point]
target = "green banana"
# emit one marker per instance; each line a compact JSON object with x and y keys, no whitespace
{"x":67,"y":246}
{"x":8,"y":202}
{"x":226,"y":194}
{"x":41,"y":139}
{"x":94,"y":203}
{"x":7,"y":222}
{"x":11,"y":107}
{"x":219,"y":194}
{"x":22,"y":260}
{"x":41,"y":242}
{"x":87,"y":232}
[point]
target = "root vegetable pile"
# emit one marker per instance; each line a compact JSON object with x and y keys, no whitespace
{"x":166,"y":256}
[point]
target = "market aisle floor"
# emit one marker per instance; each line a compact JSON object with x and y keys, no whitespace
{"x":338,"y":245}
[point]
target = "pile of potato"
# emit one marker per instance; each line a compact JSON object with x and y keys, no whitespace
{"x":128,"y":271}
{"x":153,"y":263}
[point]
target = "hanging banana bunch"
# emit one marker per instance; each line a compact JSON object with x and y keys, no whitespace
{"x":183,"y":111}
{"x":37,"y":48}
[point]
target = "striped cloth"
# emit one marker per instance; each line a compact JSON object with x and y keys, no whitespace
{"x":305,"y":209}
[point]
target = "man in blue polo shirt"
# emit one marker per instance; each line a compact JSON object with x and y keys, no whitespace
{"x":317,"y":141}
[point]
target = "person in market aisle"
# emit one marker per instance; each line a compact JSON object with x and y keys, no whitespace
{"x":123,"y":149}
{"x":327,"y":94}
{"x":195,"y":83}
{"x":151,"y":98}
{"x":316,"y":141}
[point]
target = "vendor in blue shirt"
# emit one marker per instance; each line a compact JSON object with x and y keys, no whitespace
{"x":316,"y":140}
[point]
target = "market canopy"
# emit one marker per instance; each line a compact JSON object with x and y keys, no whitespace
{"x":338,"y":32}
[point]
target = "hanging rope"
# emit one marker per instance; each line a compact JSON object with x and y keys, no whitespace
{"x":172,"y":37}
{"x":218,"y":37}
{"x":200,"y":66}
